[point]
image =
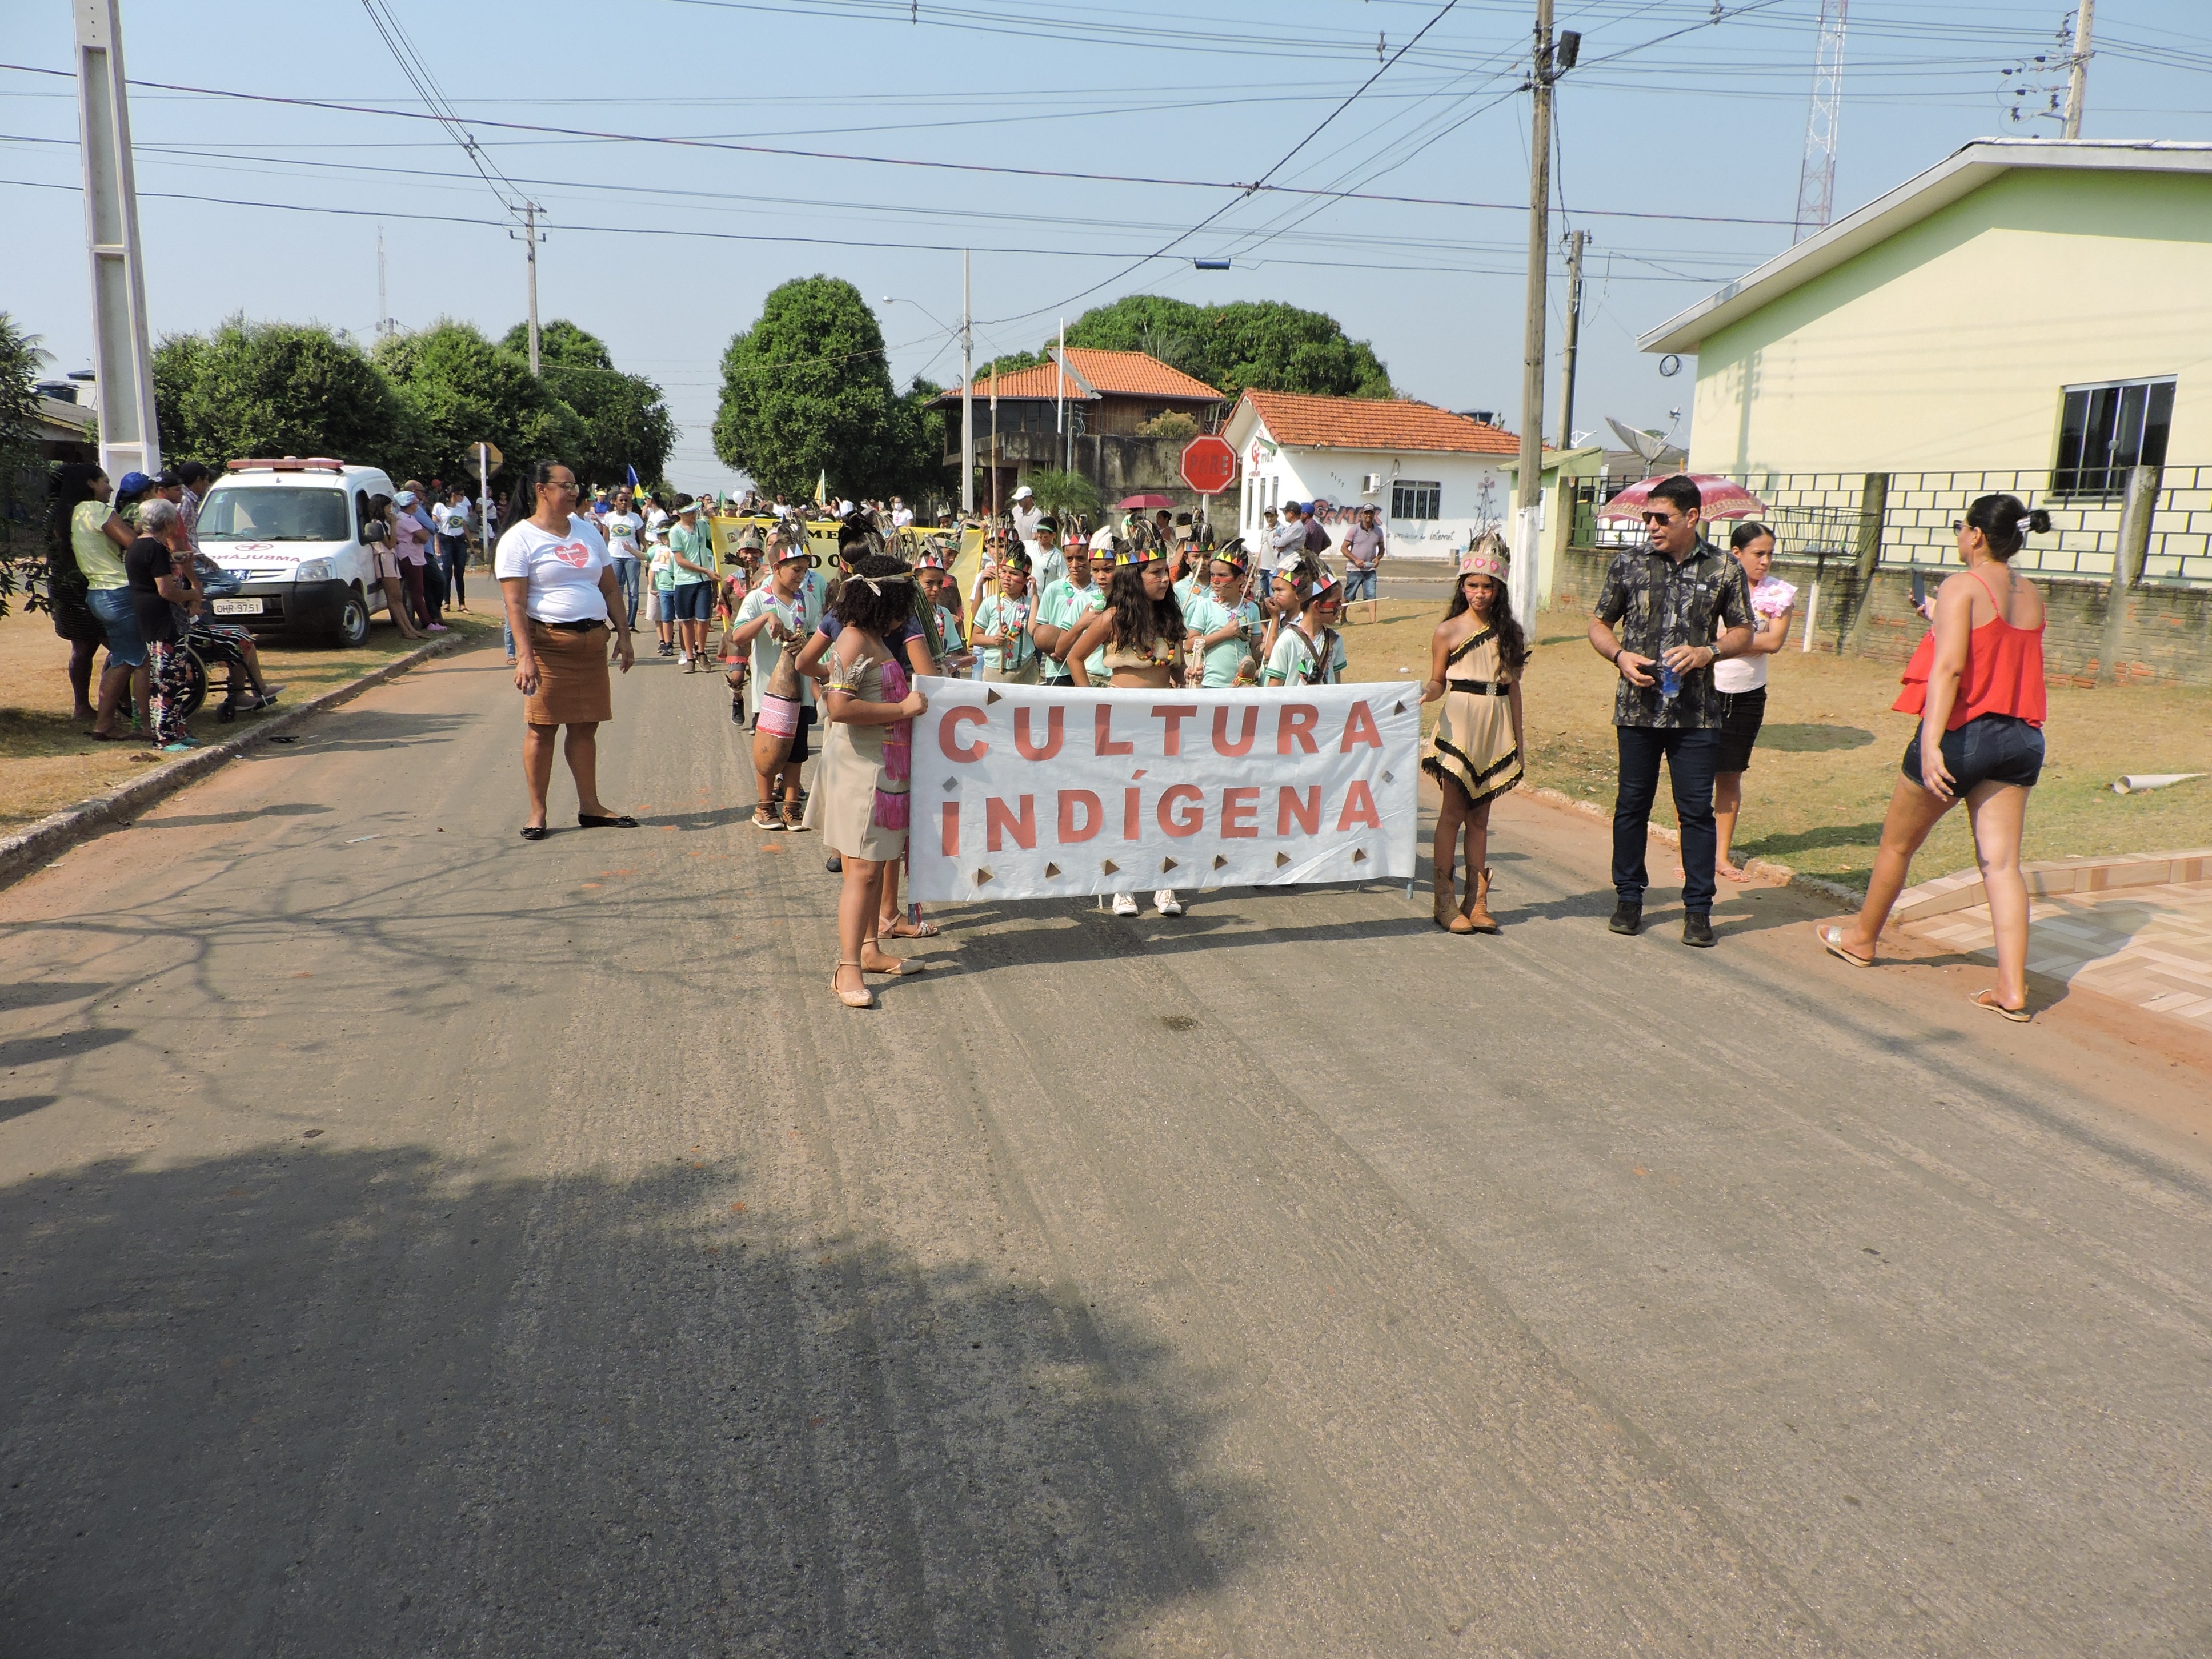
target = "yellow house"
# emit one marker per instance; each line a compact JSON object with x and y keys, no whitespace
{"x":2024,"y":305}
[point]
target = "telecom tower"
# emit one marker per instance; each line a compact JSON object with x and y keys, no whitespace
{"x":1816,"y":179}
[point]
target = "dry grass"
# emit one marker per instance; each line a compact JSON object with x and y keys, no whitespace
{"x":46,"y":761}
{"x":1827,"y":760}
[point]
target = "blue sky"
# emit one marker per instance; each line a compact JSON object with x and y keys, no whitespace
{"x":1673,"y":114}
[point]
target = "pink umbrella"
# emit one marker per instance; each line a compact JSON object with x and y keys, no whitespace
{"x":1139,"y":504}
{"x":1725,"y":499}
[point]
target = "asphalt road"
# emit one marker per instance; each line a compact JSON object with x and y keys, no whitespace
{"x":420,"y":1241}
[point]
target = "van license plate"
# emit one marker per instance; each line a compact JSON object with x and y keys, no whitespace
{"x":237,"y":607}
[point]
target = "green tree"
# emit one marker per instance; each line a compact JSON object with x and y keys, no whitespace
{"x":22,"y":489}
{"x":807,"y":390}
{"x":272,"y":389}
{"x":1250,"y":343}
{"x":923,"y":476}
{"x":625,"y":418}
{"x":456,"y":388}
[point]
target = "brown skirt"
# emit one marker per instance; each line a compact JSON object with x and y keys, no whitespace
{"x":572,"y":678}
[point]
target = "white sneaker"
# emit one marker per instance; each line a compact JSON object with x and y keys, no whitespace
{"x":1166,"y":903}
{"x":1125,"y":904}
{"x":683,"y":659}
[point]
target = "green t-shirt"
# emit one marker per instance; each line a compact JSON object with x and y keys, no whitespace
{"x":1294,"y":661}
{"x":1067,"y":606}
{"x":1204,"y":614}
{"x":997,"y":614}
{"x":697,"y":545}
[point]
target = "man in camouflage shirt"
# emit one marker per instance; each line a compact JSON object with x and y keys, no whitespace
{"x":1676,"y":603}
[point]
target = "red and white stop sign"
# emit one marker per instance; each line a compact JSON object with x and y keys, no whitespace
{"x":1209,"y":465}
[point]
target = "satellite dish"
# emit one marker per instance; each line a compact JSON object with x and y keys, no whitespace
{"x":1648,"y":446}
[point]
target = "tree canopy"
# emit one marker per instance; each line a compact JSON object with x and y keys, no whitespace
{"x":625,"y":424}
{"x":272,"y":389}
{"x":1248,"y":343}
{"x":20,"y":488}
{"x":807,"y":390}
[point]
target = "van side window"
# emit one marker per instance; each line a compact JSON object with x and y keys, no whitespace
{"x":360,"y":512}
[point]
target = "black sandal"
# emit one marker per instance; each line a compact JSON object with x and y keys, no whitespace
{"x":535,"y":832}
{"x":619,"y":821}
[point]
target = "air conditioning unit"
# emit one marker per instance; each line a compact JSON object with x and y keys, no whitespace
{"x":1370,"y":484}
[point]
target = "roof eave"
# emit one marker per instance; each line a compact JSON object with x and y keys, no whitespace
{"x":1957,"y":175}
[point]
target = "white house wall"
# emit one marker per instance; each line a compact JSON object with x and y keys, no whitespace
{"x":1474,"y":495}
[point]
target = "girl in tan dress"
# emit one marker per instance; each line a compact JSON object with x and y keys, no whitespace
{"x":859,"y":802}
{"x":1476,"y":660}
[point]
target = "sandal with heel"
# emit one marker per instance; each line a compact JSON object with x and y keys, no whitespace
{"x":863,"y":998}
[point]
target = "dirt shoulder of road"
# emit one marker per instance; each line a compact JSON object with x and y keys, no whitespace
{"x":1822,"y":776}
{"x":48,"y":762}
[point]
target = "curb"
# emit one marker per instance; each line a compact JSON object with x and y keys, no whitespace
{"x":25,"y":851}
{"x":1835,"y":892}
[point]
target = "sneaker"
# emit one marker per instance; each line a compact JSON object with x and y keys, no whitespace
{"x":683,"y":659}
{"x":764,"y":819}
{"x":1627,"y":918}
{"x":1697,"y":929}
{"x":1125,"y":904}
{"x":437,"y":628}
{"x":1166,"y":903}
{"x":794,"y":817}
{"x":178,"y":747}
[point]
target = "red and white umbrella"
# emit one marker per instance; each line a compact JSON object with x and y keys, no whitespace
{"x":1725,"y":499}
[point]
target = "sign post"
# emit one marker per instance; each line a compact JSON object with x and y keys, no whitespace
{"x":488,"y":460}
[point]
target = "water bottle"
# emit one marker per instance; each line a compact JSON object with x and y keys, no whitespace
{"x":1670,"y":683}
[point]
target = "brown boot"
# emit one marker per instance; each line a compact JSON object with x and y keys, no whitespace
{"x":1478,"y":917}
{"x":1447,"y":900}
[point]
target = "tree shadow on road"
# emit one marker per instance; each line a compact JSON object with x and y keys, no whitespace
{"x":355,"y":1401}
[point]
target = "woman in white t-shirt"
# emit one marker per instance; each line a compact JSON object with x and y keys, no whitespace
{"x":622,"y":527}
{"x":1742,"y":682}
{"x":560,"y":591}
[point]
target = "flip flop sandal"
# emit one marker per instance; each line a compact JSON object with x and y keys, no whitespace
{"x":913,"y":929}
{"x":1830,"y":940}
{"x":1989,"y":999}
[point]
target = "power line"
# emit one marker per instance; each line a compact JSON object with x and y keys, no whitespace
{"x":909,"y":161}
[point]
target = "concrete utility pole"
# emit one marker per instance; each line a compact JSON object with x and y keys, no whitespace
{"x":1575,"y":240}
{"x":967,"y":392}
{"x":1529,"y":491}
{"x":532,"y":236}
{"x":130,"y":439}
{"x":2077,"y":76}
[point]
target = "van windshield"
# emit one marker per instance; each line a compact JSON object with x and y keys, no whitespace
{"x":274,"y":514}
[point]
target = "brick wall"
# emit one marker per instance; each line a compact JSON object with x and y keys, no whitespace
{"x":2168,"y":635}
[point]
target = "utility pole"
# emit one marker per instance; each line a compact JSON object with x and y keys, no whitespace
{"x":1529,"y":492}
{"x":130,"y":439}
{"x":532,"y":236}
{"x":1575,"y":240}
{"x":1816,"y":173}
{"x":2077,"y":76}
{"x":967,"y":392}
{"x":383,"y":298}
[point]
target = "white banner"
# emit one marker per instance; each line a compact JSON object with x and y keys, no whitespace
{"x":1035,"y":791}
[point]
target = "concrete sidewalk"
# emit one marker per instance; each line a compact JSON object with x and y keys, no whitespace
{"x":2138,"y":929}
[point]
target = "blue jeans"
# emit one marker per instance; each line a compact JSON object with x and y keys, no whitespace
{"x":1358,"y":584}
{"x":453,"y":559}
{"x":118,"y":619}
{"x":626,"y":578}
{"x":1690,"y":757}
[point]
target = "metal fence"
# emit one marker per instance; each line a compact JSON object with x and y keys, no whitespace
{"x":1907,"y":517}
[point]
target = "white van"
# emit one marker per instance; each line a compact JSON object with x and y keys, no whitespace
{"x":291,"y":529}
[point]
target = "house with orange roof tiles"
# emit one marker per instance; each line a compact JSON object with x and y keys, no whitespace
{"x":1099,"y":412}
{"x":1439,"y":478}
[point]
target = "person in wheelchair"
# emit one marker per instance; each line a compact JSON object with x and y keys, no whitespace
{"x":246,"y":690}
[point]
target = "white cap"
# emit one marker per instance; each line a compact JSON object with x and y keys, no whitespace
{"x":1023,"y":493}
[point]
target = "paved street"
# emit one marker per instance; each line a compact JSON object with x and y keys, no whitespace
{"x":420,"y":1241}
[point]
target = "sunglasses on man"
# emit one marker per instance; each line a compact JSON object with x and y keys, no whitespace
{"x":1657,"y":520}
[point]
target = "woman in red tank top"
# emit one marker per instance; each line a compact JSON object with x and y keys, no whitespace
{"x":1977,"y":683}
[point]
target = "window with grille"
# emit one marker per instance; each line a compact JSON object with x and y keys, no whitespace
{"x":1410,"y":498}
{"x":2105,"y":430}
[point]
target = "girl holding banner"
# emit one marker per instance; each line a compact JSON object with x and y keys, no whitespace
{"x":1475,"y":661}
{"x":859,"y":802}
{"x":1140,"y":633}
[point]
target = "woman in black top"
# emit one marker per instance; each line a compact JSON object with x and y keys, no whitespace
{"x":158,"y":568}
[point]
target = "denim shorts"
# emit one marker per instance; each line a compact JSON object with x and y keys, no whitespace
{"x":1357,"y":583}
{"x":119,"y":618}
{"x":1988,"y":748}
{"x":689,"y":602}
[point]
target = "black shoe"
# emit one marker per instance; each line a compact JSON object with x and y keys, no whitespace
{"x":1697,"y":929}
{"x":1627,"y":918}
{"x":834,"y":865}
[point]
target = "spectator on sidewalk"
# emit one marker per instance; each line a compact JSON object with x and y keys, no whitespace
{"x":1680,"y":605}
{"x":451,"y":518}
{"x":409,"y":545}
{"x":433,"y":569}
{"x":1362,"y":558}
{"x":92,"y":599}
{"x":156,"y":565}
{"x":1318,"y":540}
{"x":1976,"y":682}
{"x":1742,"y":682}
{"x":625,"y":531}
{"x":383,"y":536}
